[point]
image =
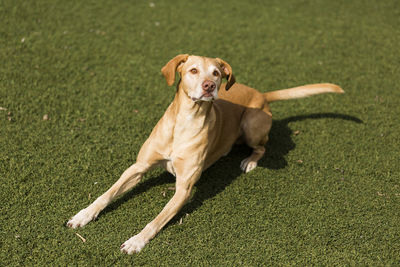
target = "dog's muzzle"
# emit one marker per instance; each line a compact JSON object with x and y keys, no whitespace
{"x":208,"y":86}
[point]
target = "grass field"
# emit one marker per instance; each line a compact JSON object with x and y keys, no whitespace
{"x":81,"y":89}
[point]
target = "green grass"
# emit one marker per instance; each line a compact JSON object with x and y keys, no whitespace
{"x":328,"y":195}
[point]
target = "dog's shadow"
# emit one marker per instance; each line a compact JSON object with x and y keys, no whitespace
{"x":226,"y":170}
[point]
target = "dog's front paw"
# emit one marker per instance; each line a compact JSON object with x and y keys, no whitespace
{"x":133,"y":245}
{"x":81,"y":219}
{"x":247,"y":165}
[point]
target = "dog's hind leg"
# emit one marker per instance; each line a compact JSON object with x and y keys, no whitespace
{"x":255,"y":125}
{"x":250,"y":163}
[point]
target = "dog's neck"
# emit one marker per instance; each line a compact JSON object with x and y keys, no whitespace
{"x":191,"y":117}
{"x":192,"y":122}
{"x":191,"y":110}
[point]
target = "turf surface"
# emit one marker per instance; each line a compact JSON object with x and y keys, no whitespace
{"x":80,"y":90}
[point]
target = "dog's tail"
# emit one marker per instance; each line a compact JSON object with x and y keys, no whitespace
{"x":303,"y":91}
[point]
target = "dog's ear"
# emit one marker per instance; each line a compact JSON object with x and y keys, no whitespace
{"x":169,"y":69}
{"x":228,"y":73}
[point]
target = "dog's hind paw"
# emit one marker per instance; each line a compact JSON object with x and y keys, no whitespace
{"x":133,"y":245}
{"x":81,"y":219}
{"x":247,"y":165}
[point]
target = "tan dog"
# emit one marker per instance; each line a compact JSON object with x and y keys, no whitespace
{"x":200,"y":126}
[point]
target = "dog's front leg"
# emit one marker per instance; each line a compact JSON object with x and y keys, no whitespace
{"x":128,"y":179}
{"x":184,"y":185}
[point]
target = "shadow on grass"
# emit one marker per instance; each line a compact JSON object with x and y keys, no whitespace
{"x":215,"y":179}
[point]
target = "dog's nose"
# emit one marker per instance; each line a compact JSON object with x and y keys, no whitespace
{"x":208,"y":86}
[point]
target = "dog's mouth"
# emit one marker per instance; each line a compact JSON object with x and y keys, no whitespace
{"x":204,"y":97}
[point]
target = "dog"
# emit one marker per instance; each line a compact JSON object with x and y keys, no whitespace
{"x":203,"y":122}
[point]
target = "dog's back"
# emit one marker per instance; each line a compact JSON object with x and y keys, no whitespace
{"x":248,"y":97}
{"x":244,"y":96}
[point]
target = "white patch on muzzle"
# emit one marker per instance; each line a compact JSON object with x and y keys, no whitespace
{"x":194,"y":82}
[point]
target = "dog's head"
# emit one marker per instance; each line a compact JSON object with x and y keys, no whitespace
{"x":201,"y":77}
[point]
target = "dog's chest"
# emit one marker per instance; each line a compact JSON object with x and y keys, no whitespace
{"x":187,"y":147}
{"x":189,"y":138}
{"x":189,"y":141}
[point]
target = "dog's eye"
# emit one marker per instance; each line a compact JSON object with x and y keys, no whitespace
{"x":216,"y":73}
{"x":193,"y":71}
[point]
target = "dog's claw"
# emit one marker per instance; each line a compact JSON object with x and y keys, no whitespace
{"x":133,"y":245}
{"x":247,"y":165}
{"x":80,"y":219}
